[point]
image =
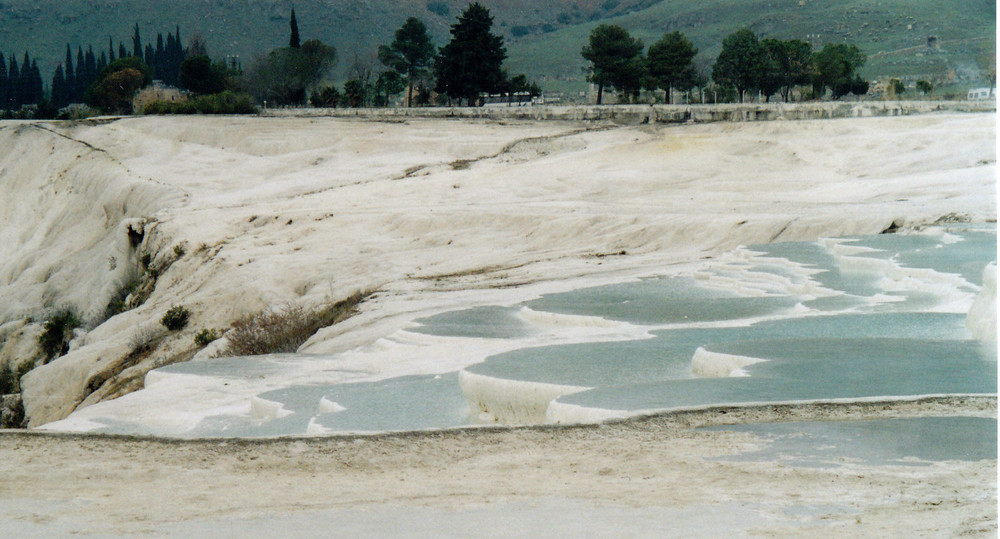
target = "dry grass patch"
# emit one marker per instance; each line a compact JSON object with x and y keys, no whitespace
{"x":286,"y":329}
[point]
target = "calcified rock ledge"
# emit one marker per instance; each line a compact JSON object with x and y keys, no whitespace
{"x":653,"y":114}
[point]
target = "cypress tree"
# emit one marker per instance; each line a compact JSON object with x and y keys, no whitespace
{"x":26,"y":86}
{"x":91,"y":66}
{"x":149,"y":55}
{"x":293,"y":41}
{"x":80,"y":82}
{"x":35,"y":85}
{"x":59,"y":88}
{"x":111,"y":50}
{"x":4,"y":84}
{"x":122,"y":51}
{"x":70,"y":85}
{"x":160,"y":59}
{"x":136,"y":43}
{"x":102,"y":61}
{"x":14,"y":78}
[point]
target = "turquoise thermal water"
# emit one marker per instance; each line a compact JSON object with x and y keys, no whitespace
{"x":847,"y":345}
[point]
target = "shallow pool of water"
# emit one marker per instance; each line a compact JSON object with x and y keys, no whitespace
{"x":900,"y":441}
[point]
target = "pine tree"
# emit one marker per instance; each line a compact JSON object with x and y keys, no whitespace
{"x":471,"y":62}
{"x":409,"y":54}
{"x":615,"y":59}
{"x":741,"y":63}
{"x":293,"y":41}
{"x":670,"y":63}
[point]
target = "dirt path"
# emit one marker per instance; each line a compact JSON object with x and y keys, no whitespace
{"x":658,"y":468}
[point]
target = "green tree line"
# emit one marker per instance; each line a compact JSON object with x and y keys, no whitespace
{"x":462,"y":71}
{"x":746,"y":63}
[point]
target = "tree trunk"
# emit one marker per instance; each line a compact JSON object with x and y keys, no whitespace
{"x":669,"y":99}
{"x":600,"y":92}
{"x":409,"y":96}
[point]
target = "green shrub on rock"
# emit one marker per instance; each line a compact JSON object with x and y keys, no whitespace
{"x":57,"y":333}
{"x":205,"y":336}
{"x":175,"y":318}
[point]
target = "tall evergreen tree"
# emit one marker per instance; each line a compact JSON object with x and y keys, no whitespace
{"x":410,"y":53}
{"x":136,"y":42}
{"x":615,"y":58}
{"x":102,"y":61}
{"x":149,"y":55}
{"x":80,"y":82}
{"x":111,"y":50}
{"x":742,"y":62}
{"x":293,"y":40}
{"x":122,"y":51}
{"x":670,"y":62}
{"x":36,"y":87}
{"x":59,"y":88}
{"x":71,"y":96}
{"x":471,"y":62}
{"x":26,"y":92}
{"x":90,"y":65}
{"x":14,"y":78}
{"x":4,"y":84}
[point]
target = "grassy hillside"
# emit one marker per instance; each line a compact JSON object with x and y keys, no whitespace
{"x":892,"y":32}
{"x":544,"y":38}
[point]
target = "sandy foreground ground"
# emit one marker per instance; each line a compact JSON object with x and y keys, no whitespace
{"x":438,"y":215}
{"x":645,"y":477}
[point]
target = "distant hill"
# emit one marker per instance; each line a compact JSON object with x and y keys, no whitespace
{"x":544,"y":38}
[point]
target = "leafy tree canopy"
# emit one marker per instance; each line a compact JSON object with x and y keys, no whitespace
{"x":200,"y":76}
{"x":113,"y":94}
{"x":670,"y":62}
{"x":615,"y":58}
{"x":836,"y":68}
{"x":285,"y":74}
{"x":410,"y":53}
{"x":742,"y":62}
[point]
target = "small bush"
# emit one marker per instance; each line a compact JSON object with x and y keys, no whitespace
{"x":285,"y":330}
{"x":179,"y":250}
{"x":57,"y":333}
{"x":142,"y":341}
{"x":10,"y":381}
{"x":205,"y":337}
{"x":175,"y":318}
{"x":117,"y":303}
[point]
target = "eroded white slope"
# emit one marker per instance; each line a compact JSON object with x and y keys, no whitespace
{"x":282,"y":210}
